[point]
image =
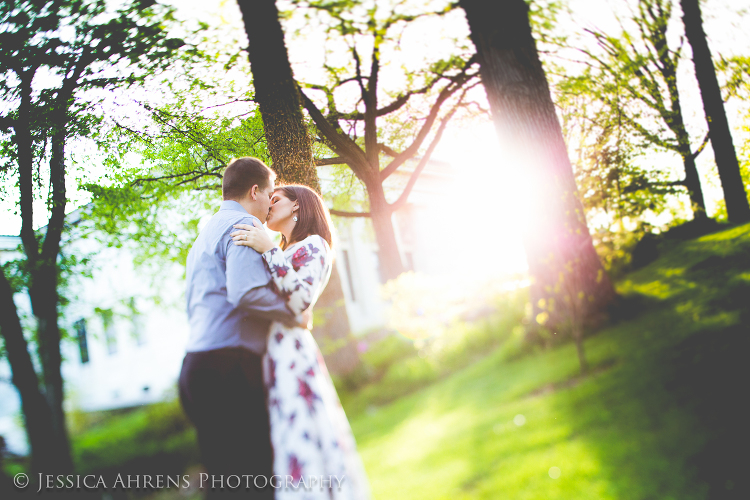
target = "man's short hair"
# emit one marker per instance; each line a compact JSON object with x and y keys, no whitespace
{"x":242,"y":174}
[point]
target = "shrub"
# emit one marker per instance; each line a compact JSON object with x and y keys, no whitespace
{"x":395,"y":366}
{"x":153,"y":439}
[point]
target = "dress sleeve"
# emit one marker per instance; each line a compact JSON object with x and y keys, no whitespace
{"x":299,"y":278}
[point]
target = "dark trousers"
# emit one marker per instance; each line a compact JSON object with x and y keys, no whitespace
{"x":222,"y":393}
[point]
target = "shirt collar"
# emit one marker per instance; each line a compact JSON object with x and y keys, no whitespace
{"x":232,"y":205}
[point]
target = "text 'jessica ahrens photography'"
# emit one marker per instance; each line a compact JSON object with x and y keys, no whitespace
{"x":161,"y":481}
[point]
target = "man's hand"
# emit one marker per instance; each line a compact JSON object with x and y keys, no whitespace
{"x":306,"y":319}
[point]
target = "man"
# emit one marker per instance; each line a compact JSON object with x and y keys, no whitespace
{"x":230,"y":306}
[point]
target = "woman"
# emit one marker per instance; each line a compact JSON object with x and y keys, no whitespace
{"x":310,"y":434}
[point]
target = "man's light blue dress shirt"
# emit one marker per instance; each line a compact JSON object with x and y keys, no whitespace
{"x":230,"y":302}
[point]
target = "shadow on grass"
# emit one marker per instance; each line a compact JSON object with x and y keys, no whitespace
{"x":708,"y":375}
{"x":680,"y":384}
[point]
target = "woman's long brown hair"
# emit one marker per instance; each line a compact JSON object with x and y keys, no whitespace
{"x":313,"y":216}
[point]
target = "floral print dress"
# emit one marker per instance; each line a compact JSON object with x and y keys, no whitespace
{"x":315,"y":454}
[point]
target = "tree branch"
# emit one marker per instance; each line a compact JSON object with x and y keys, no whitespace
{"x":387,"y":150}
{"x":358,"y":69}
{"x":165,"y":120}
{"x":371,"y":109}
{"x":700,"y":149}
{"x":341,"y":144}
{"x":321,"y":162}
{"x":51,"y":245}
{"x":341,"y":213}
{"x":397,"y":104}
{"x":455,"y":84}
{"x":333,"y":113}
{"x":423,"y":162}
{"x":6,"y":123}
{"x":197,"y":174}
{"x":25,"y":169}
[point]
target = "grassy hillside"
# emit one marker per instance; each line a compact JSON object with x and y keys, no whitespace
{"x":659,"y":417}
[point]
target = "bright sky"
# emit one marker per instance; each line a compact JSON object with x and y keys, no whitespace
{"x":472,"y":145}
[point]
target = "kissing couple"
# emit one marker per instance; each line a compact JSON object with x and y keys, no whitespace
{"x":253,"y":381}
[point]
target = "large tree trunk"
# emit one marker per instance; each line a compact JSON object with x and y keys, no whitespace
{"x":280,"y":106}
{"x":567,"y":275}
{"x":36,"y":411}
{"x":692,"y":180}
{"x":738,"y":209}
{"x":277,"y":94}
{"x":43,"y":411}
{"x":44,"y":302}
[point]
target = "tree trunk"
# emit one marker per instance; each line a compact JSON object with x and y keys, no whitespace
{"x":562,"y":260}
{"x":43,"y":411}
{"x":692,"y":180}
{"x":578,"y":338}
{"x":44,"y":302}
{"x":280,"y":106}
{"x":382,"y":223}
{"x":693,"y":184}
{"x":655,"y":32}
{"x":25,"y":147}
{"x":277,"y":95}
{"x":735,"y":196}
{"x":336,"y":342}
{"x":36,"y":411}
{"x":335,"y":327}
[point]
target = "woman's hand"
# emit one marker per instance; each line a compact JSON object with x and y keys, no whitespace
{"x":254,"y":236}
{"x":306,"y":319}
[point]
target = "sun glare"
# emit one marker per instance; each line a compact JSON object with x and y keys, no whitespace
{"x":487,"y":212}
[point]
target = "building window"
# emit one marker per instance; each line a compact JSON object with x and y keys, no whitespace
{"x":349,"y":279}
{"x":109,"y":331}
{"x":136,"y":323}
{"x":83,"y":345}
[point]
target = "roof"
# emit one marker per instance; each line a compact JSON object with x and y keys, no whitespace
{"x":9,"y":242}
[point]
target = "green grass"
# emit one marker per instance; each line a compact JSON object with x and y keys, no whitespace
{"x":656,"y":419}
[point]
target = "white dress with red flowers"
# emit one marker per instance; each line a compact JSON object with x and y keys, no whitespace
{"x":315,"y":455}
